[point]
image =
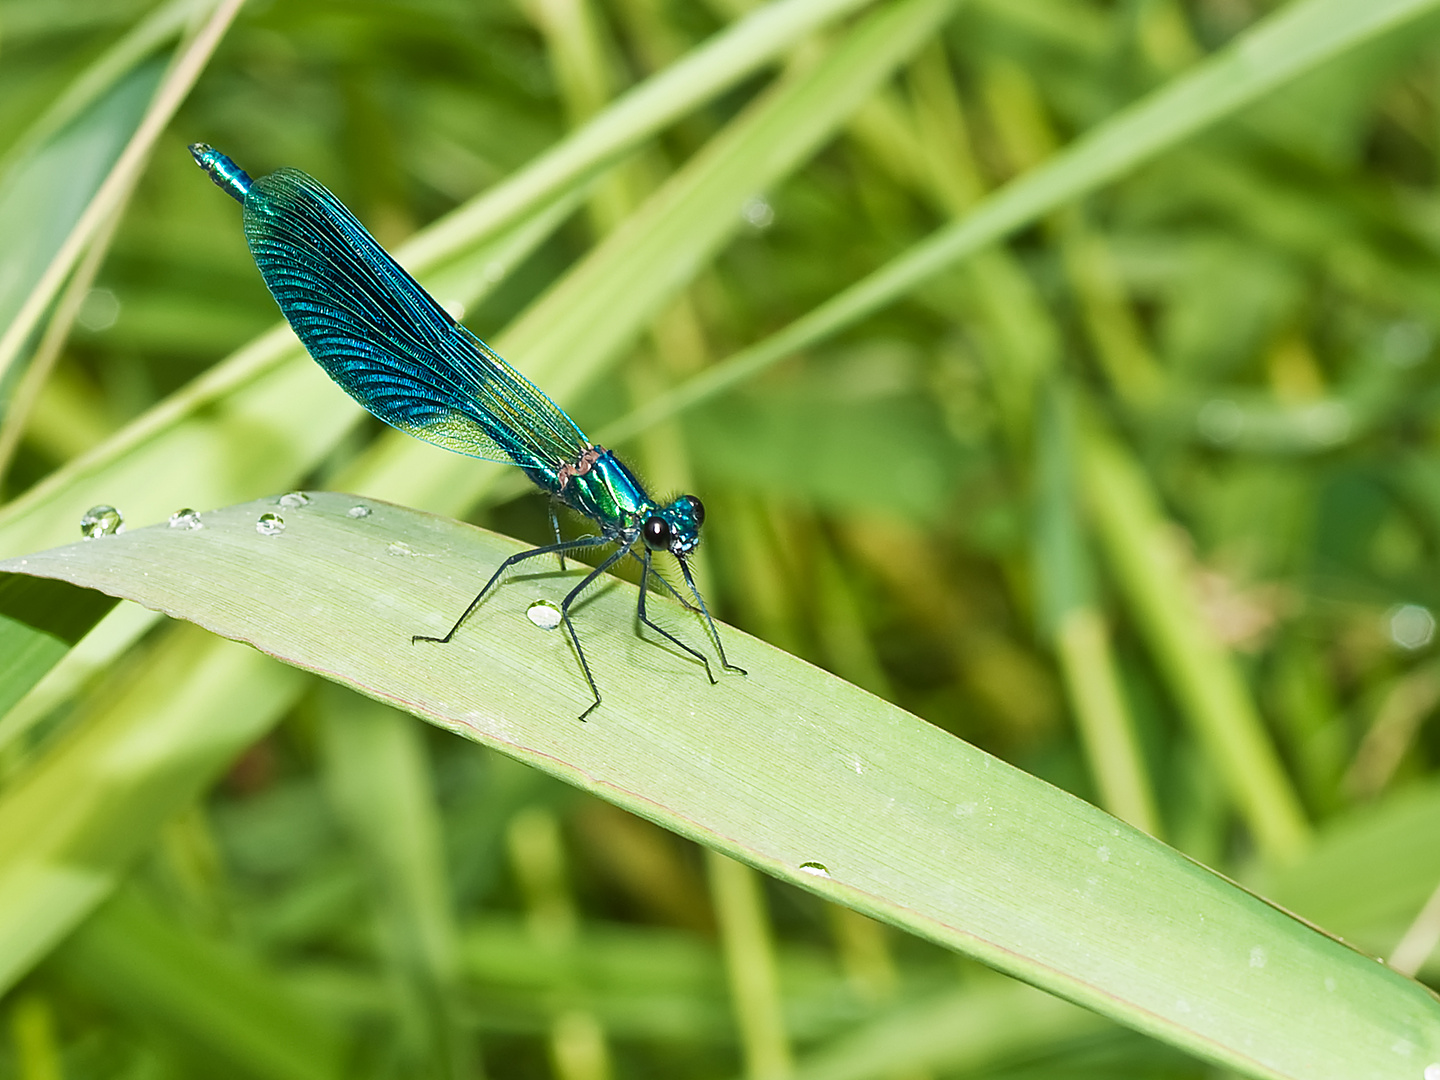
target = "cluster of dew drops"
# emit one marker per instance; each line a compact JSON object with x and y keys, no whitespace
{"x":104,"y":520}
{"x":274,"y":524}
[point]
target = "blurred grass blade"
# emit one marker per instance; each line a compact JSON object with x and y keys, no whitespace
{"x":1370,"y":872}
{"x":283,"y":383}
{"x":222,"y":1008}
{"x":84,"y":661}
{"x":1293,"y":41}
{"x":775,"y":769}
{"x":104,"y":72}
{"x":957,"y":1032}
{"x":709,"y":70}
{"x":28,"y":388}
{"x":1070,"y":614}
{"x":270,"y":387}
{"x":1145,"y":557}
{"x":607,"y":300}
{"x":575,"y":330}
{"x":38,"y":627}
{"x":381,"y":786}
{"x":71,"y":825}
{"x":117,"y":184}
{"x":183,"y":454}
{"x":260,"y":419}
{"x":747,"y":939}
{"x":45,"y":191}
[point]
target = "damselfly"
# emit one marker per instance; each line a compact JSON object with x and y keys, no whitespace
{"x":398,"y":353}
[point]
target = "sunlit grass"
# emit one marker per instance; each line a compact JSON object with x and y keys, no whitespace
{"x":1140,"y":499}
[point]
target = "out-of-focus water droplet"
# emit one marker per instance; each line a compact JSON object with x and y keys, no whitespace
{"x":1411,"y":626}
{"x":186,"y":519}
{"x":1221,"y":421}
{"x":100,"y":521}
{"x":294,"y":500}
{"x":758,"y":212}
{"x":544,"y":614}
{"x":270,"y":525}
{"x":99,"y":310}
{"x":358,"y":512}
{"x":1406,"y":343}
{"x":1327,"y":422}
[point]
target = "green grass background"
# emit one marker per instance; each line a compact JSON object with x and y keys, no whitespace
{"x":1142,"y":499}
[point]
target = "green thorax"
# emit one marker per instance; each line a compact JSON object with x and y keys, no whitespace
{"x":604,"y":490}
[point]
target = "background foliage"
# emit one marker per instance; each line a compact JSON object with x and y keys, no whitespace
{"x":1144,"y":501}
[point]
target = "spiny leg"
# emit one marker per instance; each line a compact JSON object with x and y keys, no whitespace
{"x":562,"y":547}
{"x":645,"y":562}
{"x":555,"y":525}
{"x":570,"y":597}
{"x":709,"y":622}
{"x":640,"y":610}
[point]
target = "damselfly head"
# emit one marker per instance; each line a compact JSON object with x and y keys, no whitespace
{"x":675,"y":527}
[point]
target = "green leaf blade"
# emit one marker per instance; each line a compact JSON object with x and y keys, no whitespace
{"x":789,"y":769}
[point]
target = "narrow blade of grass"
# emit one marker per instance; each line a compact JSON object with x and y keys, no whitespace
{"x":271,"y":387}
{"x":71,"y":825}
{"x":1283,"y":47}
{"x":582,"y":325}
{"x":113,"y":191}
{"x":39,"y":625}
{"x":220,"y":1006}
{"x":1145,"y":557}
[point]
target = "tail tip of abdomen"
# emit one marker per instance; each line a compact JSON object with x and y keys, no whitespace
{"x":228,"y":176}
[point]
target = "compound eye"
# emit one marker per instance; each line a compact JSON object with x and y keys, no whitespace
{"x":697,"y":510}
{"x":656,"y":531}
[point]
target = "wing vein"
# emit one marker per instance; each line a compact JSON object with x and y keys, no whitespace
{"x":387,"y":342}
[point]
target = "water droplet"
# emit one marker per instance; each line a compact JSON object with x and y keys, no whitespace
{"x":1411,"y":626}
{"x":294,"y":500}
{"x":270,"y":525}
{"x":1221,"y":421}
{"x":1258,"y":957}
{"x":101,"y":521}
{"x":1432,"y":1071}
{"x":815,"y":868}
{"x":758,"y":212}
{"x":186,"y":519}
{"x":99,"y":310}
{"x":358,"y":512}
{"x":1405,"y":344}
{"x":1327,"y":422}
{"x":1103,"y":853}
{"x":399,"y":548}
{"x":544,"y":614}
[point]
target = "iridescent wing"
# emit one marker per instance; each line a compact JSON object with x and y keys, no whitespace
{"x":387,"y":342}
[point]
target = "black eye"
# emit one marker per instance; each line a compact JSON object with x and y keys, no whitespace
{"x":656,"y":531}
{"x":697,"y":510}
